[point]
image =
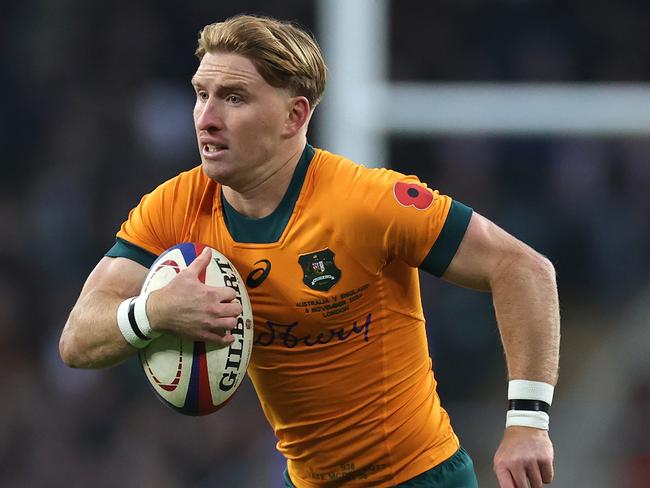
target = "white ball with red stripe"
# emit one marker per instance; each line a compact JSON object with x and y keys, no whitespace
{"x":194,"y":377}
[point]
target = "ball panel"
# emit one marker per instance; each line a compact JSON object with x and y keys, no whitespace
{"x":213,"y":275}
{"x":192,"y":399}
{"x":168,"y":367}
{"x":205,"y":404}
{"x":163,"y":270}
{"x":188,"y":251}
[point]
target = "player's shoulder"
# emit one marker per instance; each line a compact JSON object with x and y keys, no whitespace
{"x":191,"y":177}
{"x":344,"y":173}
{"x":184,"y":184}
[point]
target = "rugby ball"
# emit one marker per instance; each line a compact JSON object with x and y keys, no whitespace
{"x":193,"y":377}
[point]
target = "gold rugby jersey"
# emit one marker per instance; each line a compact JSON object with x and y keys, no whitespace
{"x":340,"y":361}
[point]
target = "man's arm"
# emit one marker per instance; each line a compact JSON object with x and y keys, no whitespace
{"x":525,"y":299}
{"x":91,"y":337}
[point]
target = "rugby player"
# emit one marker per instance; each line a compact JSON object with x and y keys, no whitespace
{"x":331,"y":252}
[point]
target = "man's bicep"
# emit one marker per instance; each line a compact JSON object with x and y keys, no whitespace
{"x":483,"y":248}
{"x":119,"y":276}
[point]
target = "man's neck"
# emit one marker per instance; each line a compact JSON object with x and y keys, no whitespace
{"x":264,"y":196}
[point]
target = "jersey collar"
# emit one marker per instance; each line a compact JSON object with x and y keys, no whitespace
{"x":268,"y":229}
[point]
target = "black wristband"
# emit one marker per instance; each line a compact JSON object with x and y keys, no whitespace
{"x":134,"y":323}
{"x":532,"y":405}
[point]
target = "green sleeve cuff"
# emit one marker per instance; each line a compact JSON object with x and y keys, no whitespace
{"x":124,"y":249}
{"x":445,"y":247}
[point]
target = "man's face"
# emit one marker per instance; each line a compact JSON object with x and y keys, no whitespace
{"x":240,"y":119}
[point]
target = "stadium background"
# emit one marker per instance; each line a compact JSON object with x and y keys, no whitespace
{"x":96,"y":110}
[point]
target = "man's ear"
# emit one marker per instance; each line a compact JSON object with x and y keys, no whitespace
{"x":298,"y":115}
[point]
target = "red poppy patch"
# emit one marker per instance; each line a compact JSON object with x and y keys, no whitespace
{"x":412,"y":195}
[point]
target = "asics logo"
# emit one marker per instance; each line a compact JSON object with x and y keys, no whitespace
{"x":256,"y":277}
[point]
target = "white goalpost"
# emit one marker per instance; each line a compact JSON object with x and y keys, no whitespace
{"x":361,"y":106}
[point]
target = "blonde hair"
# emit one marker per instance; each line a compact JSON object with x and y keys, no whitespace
{"x":285,"y":55}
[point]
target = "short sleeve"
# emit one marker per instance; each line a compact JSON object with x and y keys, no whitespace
{"x":445,"y":246}
{"x":418,"y":225}
{"x":149,"y":226}
{"x":124,"y":249}
{"x":162,"y":219}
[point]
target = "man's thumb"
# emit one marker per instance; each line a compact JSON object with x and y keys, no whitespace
{"x":200,"y":262}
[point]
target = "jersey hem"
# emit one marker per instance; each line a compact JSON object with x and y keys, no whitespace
{"x":443,"y":452}
{"x":416,"y":468}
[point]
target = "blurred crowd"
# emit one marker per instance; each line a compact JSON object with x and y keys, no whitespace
{"x":96,"y":111}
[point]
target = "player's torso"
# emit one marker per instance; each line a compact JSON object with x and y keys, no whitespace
{"x":340,"y":355}
{"x":311,"y":286}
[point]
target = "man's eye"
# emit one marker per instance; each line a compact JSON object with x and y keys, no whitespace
{"x":233,"y":99}
{"x":203,"y":95}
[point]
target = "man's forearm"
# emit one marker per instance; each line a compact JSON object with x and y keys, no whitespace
{"x":526,"y":303}
{"x":91,"y":337}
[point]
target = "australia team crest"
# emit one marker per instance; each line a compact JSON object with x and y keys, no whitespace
{"x":319,"y":270}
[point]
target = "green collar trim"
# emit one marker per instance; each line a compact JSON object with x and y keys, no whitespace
{"x":268,"y":229}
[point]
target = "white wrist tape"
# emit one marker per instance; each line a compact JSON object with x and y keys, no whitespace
{"x":133,"y":321}
{"x":529,"y":402}
{"x":527,"y":418}
{"x":530,"y":390}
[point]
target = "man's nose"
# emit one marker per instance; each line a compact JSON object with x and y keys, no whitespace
{"x":207,"y":116}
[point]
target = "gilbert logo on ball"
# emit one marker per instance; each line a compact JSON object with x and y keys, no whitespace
{"x":194,"y":377}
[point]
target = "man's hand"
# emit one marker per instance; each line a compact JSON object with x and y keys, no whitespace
{"x":189,"y":308}
{"x":524,"y":456}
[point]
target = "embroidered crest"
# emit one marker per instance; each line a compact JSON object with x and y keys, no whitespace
{"x":319,"y":270}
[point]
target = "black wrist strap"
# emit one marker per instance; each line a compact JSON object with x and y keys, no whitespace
{"x":134,"y":323}
{"x":533,"y":405}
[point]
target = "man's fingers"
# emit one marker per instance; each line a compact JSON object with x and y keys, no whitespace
{"x":519,"y":476}
{"x":504,"y":478}
{"x":201,"y":262}
{"x":534,"y":475}
{"x":218,"y":340}
{"x":524,"y":458}
{"x":224,"y":326}
{"x":225,"y":294}
{"x":231,"y":309}
{"x":546,"y":469}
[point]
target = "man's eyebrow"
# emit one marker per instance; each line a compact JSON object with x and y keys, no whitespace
{"x":228,"y":86}
{"x":233,"y":86}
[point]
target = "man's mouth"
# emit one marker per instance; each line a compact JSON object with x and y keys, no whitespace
{"x":213,"y":148}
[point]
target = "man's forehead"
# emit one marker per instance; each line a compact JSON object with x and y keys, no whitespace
{"x":227,"y":67}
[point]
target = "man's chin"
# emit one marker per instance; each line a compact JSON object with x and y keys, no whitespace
{"x":215,"y":171}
